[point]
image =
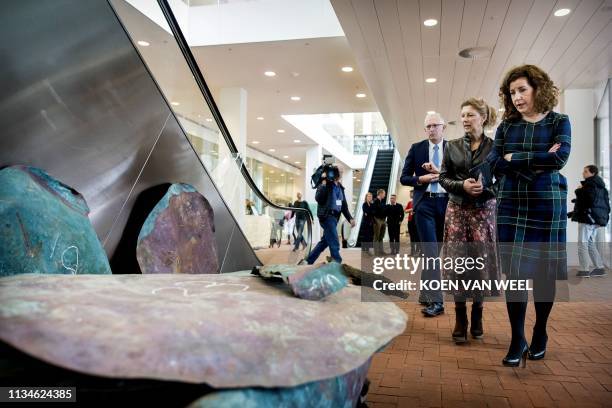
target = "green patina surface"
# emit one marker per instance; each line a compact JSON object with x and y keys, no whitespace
{"x":44,"y":227}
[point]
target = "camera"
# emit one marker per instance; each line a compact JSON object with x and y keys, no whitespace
{"x":329,"y":168}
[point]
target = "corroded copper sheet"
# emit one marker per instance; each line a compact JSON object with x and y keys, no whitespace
{"x":226,"y":331}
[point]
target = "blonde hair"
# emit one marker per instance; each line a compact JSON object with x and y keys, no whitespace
{"x":486,"y":111}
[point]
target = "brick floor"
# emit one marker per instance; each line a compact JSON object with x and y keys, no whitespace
{"x":424,"y":368}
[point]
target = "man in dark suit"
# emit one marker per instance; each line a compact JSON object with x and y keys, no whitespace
{"x":395,"y":216}
{"x":421,"y":171}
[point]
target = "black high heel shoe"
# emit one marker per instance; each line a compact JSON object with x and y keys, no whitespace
{"x":513,"y":359}
{"x":537,"y":350}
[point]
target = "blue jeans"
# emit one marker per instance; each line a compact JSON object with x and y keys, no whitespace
{"x":299,"y":229}
{"x":429,"y":216}
{"x":330,"y":238}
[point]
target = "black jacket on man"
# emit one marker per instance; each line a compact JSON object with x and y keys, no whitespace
{"x":395,"y":214}
{"x":592,"y":203}
{"x":379,"y":209}
{"x":300,"y":215}
{"x":325,"y":197}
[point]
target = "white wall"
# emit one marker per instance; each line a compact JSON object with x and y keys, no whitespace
{"x":579,"y":105}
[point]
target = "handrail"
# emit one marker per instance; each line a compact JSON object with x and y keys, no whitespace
{"x":201,"y":82}
{"x":365,"y":187}
{"x":393,"y":176}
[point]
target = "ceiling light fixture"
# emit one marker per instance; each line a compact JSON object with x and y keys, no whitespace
{"x":270,"y":73}
{"x":431,"y":112}
{"x":297,"y":162}
{"x":174,"y":103}
{"x":255,"y":142}
{"x":208,"y":119}
{"x":272,"y":150}
{"x":280,"y":130}
{"x":295,"y":98}
{"x":430,"y":22}
{"x":360,"y":95}
{"x":143,"y":43}
{"x":285,"y":157}
{"x":260,"y":118}
{"x":430,"y":80}
{"x":297,"y":141}
{"x":347,"y":69}
{"x":562,"y":12}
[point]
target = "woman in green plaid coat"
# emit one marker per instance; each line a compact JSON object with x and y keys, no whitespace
{"x":531,"y":145}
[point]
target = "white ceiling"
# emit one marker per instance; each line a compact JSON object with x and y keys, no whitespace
{"x":308,"y":68}
{"x":396,"y":52}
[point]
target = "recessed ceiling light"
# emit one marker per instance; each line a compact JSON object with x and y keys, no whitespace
{"x":285,"y":157}
{"x":360,"y":95}
{"x":347,"y":69}
{"x":174,"y":103}
{"x":271,"y":171}
{"x":430,"y":22}
{"x":297,"y":162}
{"x":270,"y":73}
{"x":562,"y":12}
{"x":431,"y":112}
{"x":295,"y":98}
{"x":358,"y":179}
{"x":208,"y":119}
{"x":280,"y":130}
{"x":272,"y":150}
{"x":143,"y":43}
{"x":255,"y":142}
{"x":297,"y":141}
{"x":260,"y":118}
{"x":430,"y":80}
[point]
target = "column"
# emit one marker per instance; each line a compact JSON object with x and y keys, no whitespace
{"x":314,"y":157}
{"x":232,"y":104}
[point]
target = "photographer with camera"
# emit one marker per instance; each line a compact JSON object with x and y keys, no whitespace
{"x":331,"y":203}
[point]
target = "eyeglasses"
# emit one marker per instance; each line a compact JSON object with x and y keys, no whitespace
{"x":434,"y":125}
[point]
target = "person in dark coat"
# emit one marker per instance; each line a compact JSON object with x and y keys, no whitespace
{"x":300,"y":221}
{"x":591,"y":212}
{"x":395,"y":215}
{"x":470,"y":214}
{"x":430,"y":200}
{"x":380,"y":226}
{"x":367,"y":223}
{"x":331,"y":204}
{"x":532,"y":144}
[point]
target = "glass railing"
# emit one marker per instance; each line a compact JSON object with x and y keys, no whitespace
{"x":157,"y":36}
{"x":363,"y":143}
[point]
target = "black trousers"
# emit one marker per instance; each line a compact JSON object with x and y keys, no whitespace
{"x":394,"y":236}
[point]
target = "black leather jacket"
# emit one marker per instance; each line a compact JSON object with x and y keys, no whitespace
{"x":456,"y":164}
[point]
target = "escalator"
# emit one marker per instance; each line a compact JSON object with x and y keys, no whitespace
{"x":81,"y":101}
{"x":382,"y":171}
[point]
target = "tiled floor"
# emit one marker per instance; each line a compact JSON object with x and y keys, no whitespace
{"x":424,"y":368}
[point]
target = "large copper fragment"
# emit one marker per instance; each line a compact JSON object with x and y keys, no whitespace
{"x":227,"y":331}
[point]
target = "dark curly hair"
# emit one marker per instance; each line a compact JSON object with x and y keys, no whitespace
{"x":546,"y":94}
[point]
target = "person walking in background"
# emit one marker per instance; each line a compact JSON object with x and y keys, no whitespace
{"x":591,"y":212}
{"x":367,"y":223}
{"x":532,"y":144}
{"x":470,"y":227}
{"x":300,"y":220}
{"x":289,"y":224}
{"x":411,"y":225}
{"x":430,"y":201}
{"x":379,"y":221}
{"x":395,"y":215}
{"x":331,"y":204}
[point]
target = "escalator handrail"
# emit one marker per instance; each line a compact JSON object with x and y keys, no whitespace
{"x":201,"y":82}
{"x":365,"y":187}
